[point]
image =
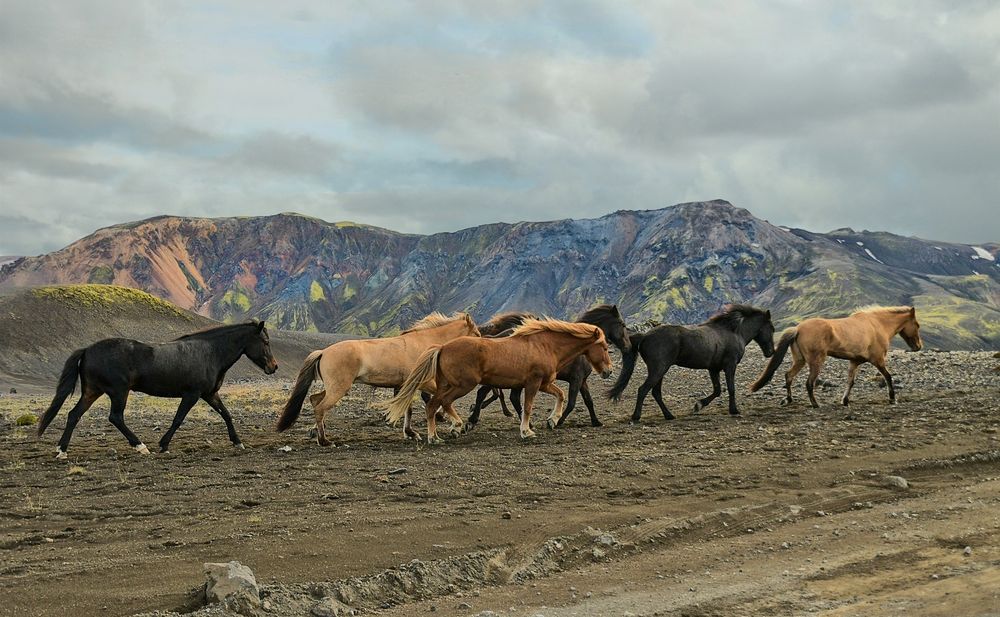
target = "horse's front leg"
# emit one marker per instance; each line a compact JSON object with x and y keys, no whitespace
{"x":529,"y":398}
{"x":851,"y":374}
{"x":888,"y":380}
{"x":557,"y":411}
{"x":731,"y":389}
{"x":215,"y":402}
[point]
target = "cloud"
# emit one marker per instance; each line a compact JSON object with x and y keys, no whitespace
{"x":430,"y":116}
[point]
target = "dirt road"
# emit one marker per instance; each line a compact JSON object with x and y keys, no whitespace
{"x":783,"y":511}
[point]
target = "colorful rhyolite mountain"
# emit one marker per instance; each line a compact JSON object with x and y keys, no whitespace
{"x":676,"y":264}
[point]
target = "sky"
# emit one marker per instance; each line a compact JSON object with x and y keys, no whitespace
{"x":435,"y":116}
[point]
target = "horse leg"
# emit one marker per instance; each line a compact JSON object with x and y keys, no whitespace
{"x":888,"y":380}
{"x":557,"y":411}
{"x":482,"y":394}
{"x":456,"y":420}
{"x":851,"y":374}
{"x":187,"y":402}
{"x":655,"y":374}
{"x":716,"y":391}
{"x":117,"y":417}
{"x":87,"y":398}
{"x":589,"y":402}
{"x":529,"y":397}
{"x":408,"y":431}
{"x":798,"y":362}
{"x":515,"y":401}
{"x":658,"y":397}
{"x":497,"y":392}
{"x":731,"y":388}
{"x":215,"y":402}
{"x":815,"y":365}
{"x":335,"y":390}
{"x":436,"y":402}
{"x":574,"y":390}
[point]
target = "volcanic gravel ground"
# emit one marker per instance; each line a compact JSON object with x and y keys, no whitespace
{"x":782,"y":511}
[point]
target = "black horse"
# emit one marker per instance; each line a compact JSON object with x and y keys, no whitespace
{"x":716,"y":345}
{"x":191,"y":367}
{"x":606,"y":317}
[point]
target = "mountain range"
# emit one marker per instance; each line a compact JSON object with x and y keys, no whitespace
{"x":676,"y":264}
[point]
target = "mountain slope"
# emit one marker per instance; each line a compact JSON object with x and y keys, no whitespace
{"x":674,"y":264}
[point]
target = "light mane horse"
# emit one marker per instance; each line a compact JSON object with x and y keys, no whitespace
{"x":862,"y":337}
{"x":380,"y":362}
{"x":530,"y":358}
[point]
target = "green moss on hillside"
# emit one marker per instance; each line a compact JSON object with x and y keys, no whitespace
{"x":108,"y":296}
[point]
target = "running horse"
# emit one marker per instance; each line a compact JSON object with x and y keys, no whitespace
{"x":717,"y":346}
{"x":530,"y":358}
{"x":191,"y":367}
{"x":380,"y":362}
{"x":862,"y":337}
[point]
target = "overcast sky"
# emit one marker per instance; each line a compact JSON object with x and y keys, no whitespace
{"x":434,"y":116}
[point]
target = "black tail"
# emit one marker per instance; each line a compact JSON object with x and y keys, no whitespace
{"x":779,"y":354}
{"x":67,"y":384}
{"x":307,"y":374}
{"x":628,"y":366}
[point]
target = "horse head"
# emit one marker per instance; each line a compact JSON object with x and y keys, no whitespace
{"x":597,"y":354}
{"x":258,"y":349}
{"x":765,"y":335}
{"x":911,"y":331}
{"x":616,"y":331}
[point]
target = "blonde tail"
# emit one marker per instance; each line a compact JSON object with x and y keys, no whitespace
{"x":425,"y":370}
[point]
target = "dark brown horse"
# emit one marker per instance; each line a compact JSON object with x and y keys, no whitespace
{"x":530,"y":359}
{"x":862,"y":337}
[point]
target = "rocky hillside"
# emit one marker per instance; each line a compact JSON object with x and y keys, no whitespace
{"x":674,"y":264}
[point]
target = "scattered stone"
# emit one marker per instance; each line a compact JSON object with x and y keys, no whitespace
{"x":285,"y":449}
{"x":598,"y":554}
{"x":13,"y":390}
{"x":506,"y":516}
{"x":606,"y":539}
{"x":331,"y":607}
{"x":967,"y":551}
{"x":464,"y":605}
{"x":895,"y":482}
{"x":232,"y":584}
{"x":397,"y":471}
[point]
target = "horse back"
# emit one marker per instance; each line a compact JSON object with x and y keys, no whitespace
{"x":849,"y":338}
{"x":115,"y":361}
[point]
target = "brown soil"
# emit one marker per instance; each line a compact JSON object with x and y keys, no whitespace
{"x":782,"y":511}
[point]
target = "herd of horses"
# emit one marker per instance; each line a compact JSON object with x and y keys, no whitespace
{"x":443,"y":358}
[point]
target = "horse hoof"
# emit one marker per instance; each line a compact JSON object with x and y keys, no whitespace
{"x":468,"y":427}
{"x":528,"y":434}
{"x":61,"y":454}
{"x":550,"y":423}
{"x":892,"y":401}
{"x":324,"y":442}
{"x":845,"y":402}
{"x":507,"y":413}
{"x":698,"y":407}
{"x":434,"y":440}
{"x":239,"y":446}
{"x":785,"y":402}
{"x":412,"y":435}
{"x":596,"y":423}
{"x":312,"y":433}
{"x":142,"y":449}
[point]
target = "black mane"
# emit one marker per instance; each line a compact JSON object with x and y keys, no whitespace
{"x":216,"y":331}
{"x":600,"y":315}
{"x":732,"y":316}
{"x":503,"y":321}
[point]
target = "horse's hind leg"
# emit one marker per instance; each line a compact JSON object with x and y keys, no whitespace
{"x":484,"y":396}
{"x":589,"y":402}
{"x":187,"y":402}
{"x":731,"y":389}
{"x":497,"y":392}
{"x":716,"y":391}
{"x":658,"y":397}
{"x":656,"y":373}
{"x":798,"y":362}
{"x":87,"y":399}
{"x":117,"y":417}
{"x":815,"y":366}
{"x":335,"y":390}
{"x":851,"y":374}
{"x":529,"y":399}
{"x":408,"y":431}
{"x":215,"y":401}
{"x":557,"y":411}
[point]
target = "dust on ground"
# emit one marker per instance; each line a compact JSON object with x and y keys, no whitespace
{"x":783,"y":511}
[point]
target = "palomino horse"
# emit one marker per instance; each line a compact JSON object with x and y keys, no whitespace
{"x":529,"y":358}
{"x":862,"y":337}
{"x":190,"y":368}
{"x":716,"y":345}
{"x":380,"y":362}
{"x":609,"y":319}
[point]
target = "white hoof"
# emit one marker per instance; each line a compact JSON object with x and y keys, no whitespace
{"x":142,"y":449}
{"x":61,"y":454}
{"x":528,"y":434}
{"x":239,"y":446}
{"x":698,"y":407}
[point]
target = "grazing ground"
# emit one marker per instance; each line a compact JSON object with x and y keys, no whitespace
{"x":783,"y":511}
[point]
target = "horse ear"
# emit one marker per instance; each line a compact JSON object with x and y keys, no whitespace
{"x":913,"y":311}
{"x":260,"y":326}
{"x":767,"y":314}
{"x":614,"y":307}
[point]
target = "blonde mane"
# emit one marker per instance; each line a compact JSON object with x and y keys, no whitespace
{"x":875,"y":308}
{"x":435,"y":320}
{"x":534,"y":326}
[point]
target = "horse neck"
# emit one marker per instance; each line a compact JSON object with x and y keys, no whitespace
{"x":563,"y":345}
{"x":444,"y":332}
{"x":748,"y":329}
{"x":227,"y":350}
{"x":890,"y":324}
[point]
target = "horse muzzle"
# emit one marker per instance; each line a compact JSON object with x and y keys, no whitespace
{"x":606,"y":374}
{"x":272,"y":368}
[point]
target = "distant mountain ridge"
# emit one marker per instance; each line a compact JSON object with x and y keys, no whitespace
{"x":676,"y":264}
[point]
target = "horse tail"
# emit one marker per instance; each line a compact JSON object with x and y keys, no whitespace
{"x":426,"y":368}
{"x":628,"y":366}
{"x":779,"y":354}
{"x":307,"y":374}
{"x":67,"y":384}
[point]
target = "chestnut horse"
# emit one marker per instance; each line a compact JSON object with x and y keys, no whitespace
{"x":862,"y":337}
{"x":380,"y":362}
{"x":530,"y":358}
